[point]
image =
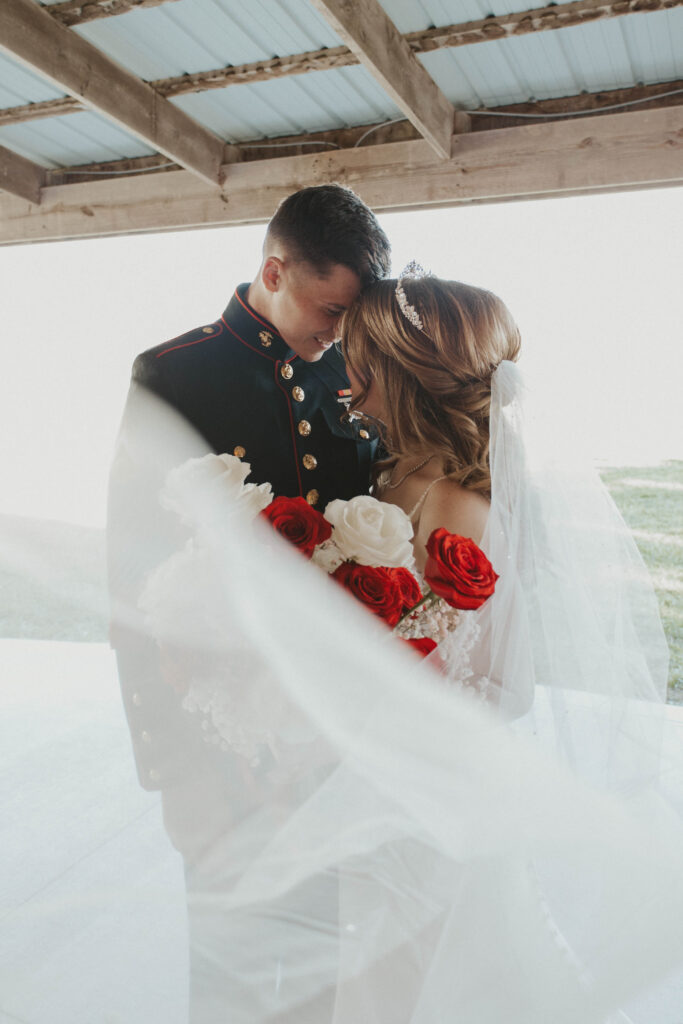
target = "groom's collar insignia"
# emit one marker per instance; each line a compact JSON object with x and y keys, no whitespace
{"x":253,"y":330}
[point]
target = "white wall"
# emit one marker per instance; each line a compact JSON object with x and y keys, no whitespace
{"x":594,"y":283}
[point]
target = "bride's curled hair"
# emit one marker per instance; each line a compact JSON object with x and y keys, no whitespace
{"x":435,"y":383}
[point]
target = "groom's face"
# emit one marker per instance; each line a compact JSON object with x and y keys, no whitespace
{"x":307,"y":306}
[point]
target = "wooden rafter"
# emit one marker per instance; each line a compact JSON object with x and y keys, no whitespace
{"x":580,"y":12}
{"x":649,"y":97}
{"x":78,"y":12}
{"x":537,"y":20}
{"x":369,"y":33}
{"x":638,"y":149}
{"x":541,"y":19}
{"x":28,"y":34}
{"x":19,"y":176}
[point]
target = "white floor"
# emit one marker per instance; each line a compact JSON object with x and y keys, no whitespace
{"x":92,"y":914}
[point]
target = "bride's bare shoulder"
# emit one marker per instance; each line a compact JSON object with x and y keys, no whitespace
{"x":454,"y":507}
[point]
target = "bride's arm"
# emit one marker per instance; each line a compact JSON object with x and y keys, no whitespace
{"x":454,"y":508}
{"x":482,"y":670}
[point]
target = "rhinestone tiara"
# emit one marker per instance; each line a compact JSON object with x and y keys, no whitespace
{"x":412,"y":271}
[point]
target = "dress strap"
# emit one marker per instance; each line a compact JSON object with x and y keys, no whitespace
{"x":418,"y":505}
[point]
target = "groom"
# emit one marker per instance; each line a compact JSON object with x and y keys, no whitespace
{"x":265,"y":383}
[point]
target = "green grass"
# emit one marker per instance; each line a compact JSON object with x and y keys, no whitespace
{"x":651,"y":501}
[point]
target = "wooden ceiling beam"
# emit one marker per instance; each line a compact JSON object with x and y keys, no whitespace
{"x":372,"y":36}
{"x":20,"y":177}
{"x":79,"y":12}
{"x":537,"y":20}
{"x":40,"y":110}
{"x":638,"y":149}
{"x":580,"y":12}
{"x":29,"y":35}
{"x":650,"y":97}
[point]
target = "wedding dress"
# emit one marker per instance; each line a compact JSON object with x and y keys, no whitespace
{"x":478,"y":837}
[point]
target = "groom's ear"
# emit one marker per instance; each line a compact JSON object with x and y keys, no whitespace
{"x":271,"y":273}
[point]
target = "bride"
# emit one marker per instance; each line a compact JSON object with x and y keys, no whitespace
{"x":427,"y":377}
{"x":371,"y":844}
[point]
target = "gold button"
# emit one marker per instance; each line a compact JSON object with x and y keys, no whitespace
{"x":145,"y":736}
{"x":286,"y":371}
{"x":154,"y":775}
{"x":207,"y":330}
{"x":304,"y":428}
{"x":312,"y":497}
{"x":364,"y":434}
{"x":310,"y":461}
{"x":266,"y":338}
{"x":298,"y":394}
{"x":239,"y":452}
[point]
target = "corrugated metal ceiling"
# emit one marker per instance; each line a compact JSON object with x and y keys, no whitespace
{"x":199,"y":35}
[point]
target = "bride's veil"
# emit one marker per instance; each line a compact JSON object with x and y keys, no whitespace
{"x":372,"y":838}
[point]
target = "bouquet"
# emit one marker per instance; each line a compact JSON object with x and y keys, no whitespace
{"x":363,"y":544}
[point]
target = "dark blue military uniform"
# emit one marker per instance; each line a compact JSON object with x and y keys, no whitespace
{"x":241,"y":387}
{"x":244,"y":392}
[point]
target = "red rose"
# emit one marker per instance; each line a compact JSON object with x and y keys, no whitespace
{"x":410,"y":588}
{"x":375,"y":587}
{"x":298,"y":522}
{"x":458,"y":571}
{"x":423,"y":645}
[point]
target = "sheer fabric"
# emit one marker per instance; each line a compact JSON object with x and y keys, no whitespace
{"x":472,"y":838}
{"x":477,"y":837}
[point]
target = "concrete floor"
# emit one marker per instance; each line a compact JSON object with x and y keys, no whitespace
{"x":92,"y":910}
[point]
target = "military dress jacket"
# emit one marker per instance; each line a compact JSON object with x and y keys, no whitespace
{"x":247,"y":393}
{"x":244,"y":392}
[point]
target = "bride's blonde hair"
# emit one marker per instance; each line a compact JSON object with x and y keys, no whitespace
{"x":435,"y":382}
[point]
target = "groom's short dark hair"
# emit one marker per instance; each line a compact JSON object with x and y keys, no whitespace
{"x":329,"y":224}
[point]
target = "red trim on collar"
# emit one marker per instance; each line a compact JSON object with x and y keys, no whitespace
{"x":254,"y":314}
{"x":258,"y":351}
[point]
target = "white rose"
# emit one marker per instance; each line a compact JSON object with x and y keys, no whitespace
{"x":208,"y":489}
{"x":371,"y":532}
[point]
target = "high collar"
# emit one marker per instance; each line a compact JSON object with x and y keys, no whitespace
{"x":253,"y":330}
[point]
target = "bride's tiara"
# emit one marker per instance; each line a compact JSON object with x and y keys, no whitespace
{"x":413,"y":271}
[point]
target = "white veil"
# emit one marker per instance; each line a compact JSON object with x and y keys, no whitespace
{"x":395,"y":850}
{"x":366,"y":840}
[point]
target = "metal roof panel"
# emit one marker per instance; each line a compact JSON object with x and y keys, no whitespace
{"x":81,"y":138}
{"x":195,"y":35}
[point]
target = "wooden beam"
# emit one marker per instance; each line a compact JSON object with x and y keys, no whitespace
{"x":580,"y":12}
{"x":372,"y":36}
{"x":641,"y":149}
{"x":28,"y":34}
{"x":638,"y":97}
{"x":40,"y":110}
{"x":259,"y":149}
{"x":20,"y":176}
{"x":510,"y":115}
{"x":484,"y":118}
{"x":78,"y":12}
{"x":538,"y":20}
